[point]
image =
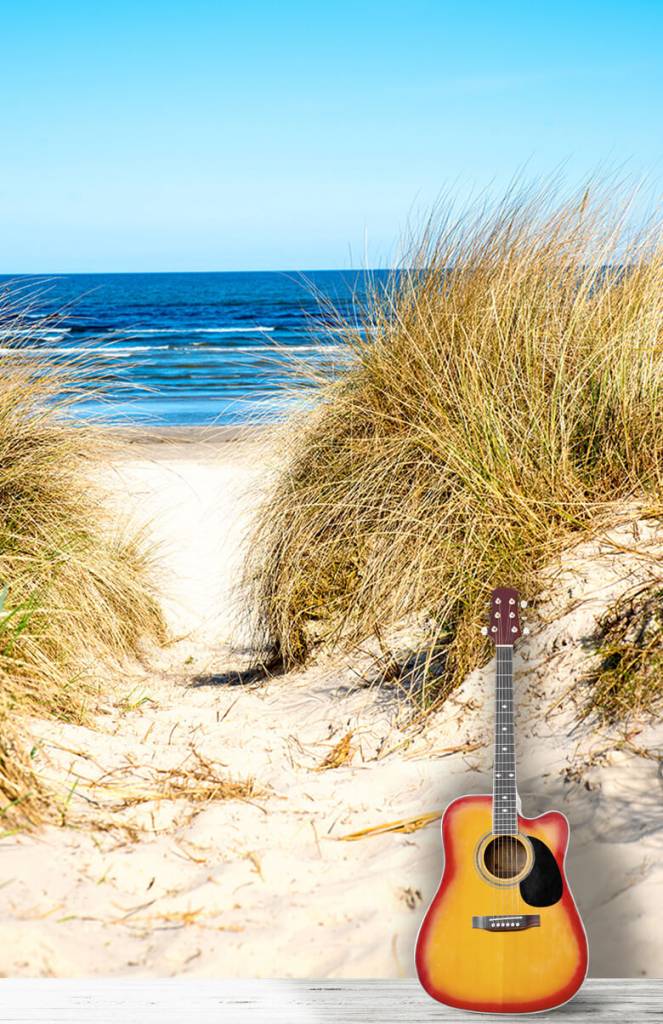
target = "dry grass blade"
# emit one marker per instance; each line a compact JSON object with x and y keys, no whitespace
{"x":406,"y":825}
{"x":339,"y":755}
{"x":176,"y":919}
{"x":459,"y":748}
{"x":502,"y":396}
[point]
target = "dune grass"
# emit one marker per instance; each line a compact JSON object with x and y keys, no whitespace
{"x":501,"y":396}
{"x":628,"y":679}
{"x":76,"y":586}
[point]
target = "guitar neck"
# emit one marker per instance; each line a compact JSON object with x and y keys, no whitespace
{"x":505,"y":810}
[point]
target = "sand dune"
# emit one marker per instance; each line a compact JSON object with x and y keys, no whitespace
{"x":143,"y":881}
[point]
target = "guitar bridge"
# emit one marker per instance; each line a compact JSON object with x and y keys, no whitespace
{"x":507,"y":922}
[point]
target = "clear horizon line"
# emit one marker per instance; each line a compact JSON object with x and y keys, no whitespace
{"x":277,"y":270}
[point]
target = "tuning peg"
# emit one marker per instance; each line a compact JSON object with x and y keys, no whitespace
{"x":484,"y":630}
{"x":526,"y":631}
{"x":523,"y":604}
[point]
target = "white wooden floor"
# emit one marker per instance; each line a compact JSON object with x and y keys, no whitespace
{"x":294,"y":1002}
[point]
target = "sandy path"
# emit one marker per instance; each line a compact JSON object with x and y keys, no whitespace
{"x":264,"y":886}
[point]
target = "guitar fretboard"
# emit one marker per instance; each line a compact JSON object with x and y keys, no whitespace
{"x":505,"y":811}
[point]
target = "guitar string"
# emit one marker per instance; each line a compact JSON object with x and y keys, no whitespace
{"x":498,"y":809}
{"x":499,"y":787}
{"x":507,"y":791}
{"x":511,"y":809}
{"x":516,"y":889}
{"x":500,"y":749}
{"x":505,"y":814}
{"x":513,"y":821}
{"x":513,"y":816}
{"x":518,"y":847}
{"x":505,"y":821}
{"x":496,"y":783}
{"x":496,"y":794}
{"x":513,"y":812}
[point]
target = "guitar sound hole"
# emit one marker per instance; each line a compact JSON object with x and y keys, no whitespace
{"x":505,"y":856}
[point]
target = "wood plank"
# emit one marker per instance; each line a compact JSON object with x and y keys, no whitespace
{"x":202,"y":1001}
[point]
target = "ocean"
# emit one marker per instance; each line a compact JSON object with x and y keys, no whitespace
{"x":195,"y":348}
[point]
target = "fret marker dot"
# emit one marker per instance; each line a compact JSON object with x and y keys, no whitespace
{"x":504,"y":728}
{"x":503,"y":748}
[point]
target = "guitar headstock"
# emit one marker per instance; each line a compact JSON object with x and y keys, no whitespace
{"x":504,"y":620}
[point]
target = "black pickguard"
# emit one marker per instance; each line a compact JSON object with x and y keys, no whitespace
{"x":544,"y":884}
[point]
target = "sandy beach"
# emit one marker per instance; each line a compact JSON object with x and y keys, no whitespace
{"x":155,"y":872}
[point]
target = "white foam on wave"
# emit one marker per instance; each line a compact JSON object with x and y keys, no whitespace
{"x":139,"y":332}
{"x":38,"y":350}
{"x":290,"y":349}
{"x":29,"y":333}
{"x":222,"y":353}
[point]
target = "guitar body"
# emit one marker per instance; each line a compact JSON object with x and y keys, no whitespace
{"x":503,"y":933}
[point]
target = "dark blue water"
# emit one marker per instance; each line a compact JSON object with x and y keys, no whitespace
{"x":195,"y":348}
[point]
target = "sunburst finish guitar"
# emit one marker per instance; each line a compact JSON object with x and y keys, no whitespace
{"x":503,"y":933}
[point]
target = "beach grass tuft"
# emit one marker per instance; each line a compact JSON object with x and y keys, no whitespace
{"x":75,"y":584}
{"x":628,"y":680}
{"x":499,"y":398}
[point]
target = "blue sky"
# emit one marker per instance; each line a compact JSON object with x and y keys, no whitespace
{"x":218,"y":136}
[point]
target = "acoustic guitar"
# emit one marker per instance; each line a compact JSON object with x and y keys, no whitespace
{"x":503,"y":933}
